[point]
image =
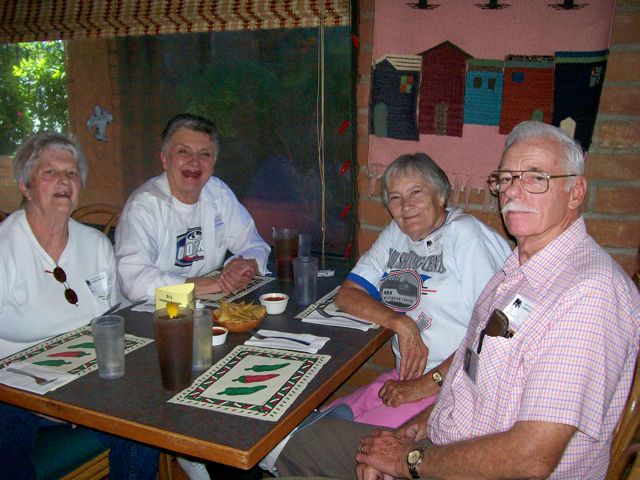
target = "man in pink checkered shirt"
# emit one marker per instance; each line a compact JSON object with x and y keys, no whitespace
{"x":538,"y":384}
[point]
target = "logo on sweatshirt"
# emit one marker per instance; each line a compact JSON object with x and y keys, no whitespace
{"x":189,"y":247}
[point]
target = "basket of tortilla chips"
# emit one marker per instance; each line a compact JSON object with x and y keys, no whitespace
{"x":239,"y":317}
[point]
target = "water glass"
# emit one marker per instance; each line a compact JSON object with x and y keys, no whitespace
{"x":202,"y":333}
{"x":108,"y":339}
{"x":305,"y":271}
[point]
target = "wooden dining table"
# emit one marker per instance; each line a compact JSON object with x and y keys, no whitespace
{"x":136,"y":406}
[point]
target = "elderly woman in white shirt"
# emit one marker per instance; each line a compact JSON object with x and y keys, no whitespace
{"x":420,"y":279}
{"x":55,"y":275}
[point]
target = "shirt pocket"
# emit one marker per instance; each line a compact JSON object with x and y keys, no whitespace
{"x":99,"y":284}
{"x":494,"y":363}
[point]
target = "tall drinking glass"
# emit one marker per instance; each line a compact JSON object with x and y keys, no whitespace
{"x":202,"y":333}
{"x":174,"y":341}
{"x":286,"y":246}
{"x":305,"y":271}
{"x":108,"y":339}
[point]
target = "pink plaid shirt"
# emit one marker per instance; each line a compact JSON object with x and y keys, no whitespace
{"x":570,"y":361}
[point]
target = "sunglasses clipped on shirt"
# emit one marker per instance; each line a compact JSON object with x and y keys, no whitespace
{"x":69,"y":294}
{"x":497,"y":326}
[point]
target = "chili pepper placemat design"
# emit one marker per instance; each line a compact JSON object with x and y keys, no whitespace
{"x":253,"y":382}
{"x":72,"y":352}
{"x":213,"y":299}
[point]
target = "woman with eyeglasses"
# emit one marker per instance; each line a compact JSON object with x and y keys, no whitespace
{"x":55,"y":275}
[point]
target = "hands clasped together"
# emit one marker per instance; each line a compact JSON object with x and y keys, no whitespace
{"x":235,"y":276}
{"x":382,"y":455}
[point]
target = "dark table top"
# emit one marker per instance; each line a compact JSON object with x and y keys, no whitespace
{"x":135,"y":406}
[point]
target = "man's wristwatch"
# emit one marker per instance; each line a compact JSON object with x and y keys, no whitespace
{"x":437,"y":377}
{"x":414,"y":459}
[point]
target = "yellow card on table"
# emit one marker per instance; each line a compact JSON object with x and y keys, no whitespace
{"x":182,"y":294}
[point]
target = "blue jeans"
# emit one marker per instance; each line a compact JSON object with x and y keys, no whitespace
{"x":18,"y":433}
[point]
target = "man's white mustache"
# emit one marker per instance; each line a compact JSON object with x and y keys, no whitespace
{"x":517,"y":207}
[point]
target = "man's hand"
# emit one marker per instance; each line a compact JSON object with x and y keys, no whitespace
{"x":237,"y":274}
{"x":412,"y":349}
{"x":396,"y":392}
{"x":383,"y":455}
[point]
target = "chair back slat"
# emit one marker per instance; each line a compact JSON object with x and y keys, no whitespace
{"x":106,"y":213}
{"x":626,"y":431}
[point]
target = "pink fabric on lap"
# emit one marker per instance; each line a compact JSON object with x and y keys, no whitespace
{"x":368,"y":408}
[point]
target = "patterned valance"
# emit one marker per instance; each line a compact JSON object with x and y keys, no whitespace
{"x":37,"y":20}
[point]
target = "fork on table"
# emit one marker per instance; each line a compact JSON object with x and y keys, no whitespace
{"x":39,"y":380}
{"x":265,"y":337}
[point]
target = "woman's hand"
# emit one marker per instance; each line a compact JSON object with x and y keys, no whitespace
{"x":413,"y":351}
{"x":396,"y":392}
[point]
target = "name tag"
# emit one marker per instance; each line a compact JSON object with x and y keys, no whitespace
{"x":518,"y":309}
{"x":99,"y":286}
{"x":471,"y":361}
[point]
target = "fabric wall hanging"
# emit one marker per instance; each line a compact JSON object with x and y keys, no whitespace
{"x":484,"y":67}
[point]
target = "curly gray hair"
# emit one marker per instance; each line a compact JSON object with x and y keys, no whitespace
{"x":28,"y":155}
{"x":421,"y":164}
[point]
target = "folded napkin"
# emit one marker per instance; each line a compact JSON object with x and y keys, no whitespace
{"x":25,"y":382}
{"x":316,"y":342}
{"x":148,"y":306}
{"x":341,"y":320}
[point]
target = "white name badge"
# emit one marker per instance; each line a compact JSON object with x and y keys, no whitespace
{"x":518,"y":309}
{"x":99,"y":286}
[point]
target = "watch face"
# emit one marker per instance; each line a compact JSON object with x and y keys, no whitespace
{"x":414,"y":456}
{"x":437,"y":377}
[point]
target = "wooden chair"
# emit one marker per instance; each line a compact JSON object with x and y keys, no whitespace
{"x":3,"y":216}
{"x":65,"y":452}
{"x":622,"y":450}
{"x":98,"y":214}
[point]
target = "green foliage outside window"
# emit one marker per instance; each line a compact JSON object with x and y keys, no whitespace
{"x":33,"y":91}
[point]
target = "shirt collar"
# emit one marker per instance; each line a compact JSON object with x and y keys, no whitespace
{"x":536,"y":270}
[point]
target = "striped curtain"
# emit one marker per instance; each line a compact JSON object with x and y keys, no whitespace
{"x":39,"y":20}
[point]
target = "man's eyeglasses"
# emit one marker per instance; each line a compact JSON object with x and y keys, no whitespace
{"x":60,"y":275}
{"x":497,"y":326}
{"x":533,"y":181}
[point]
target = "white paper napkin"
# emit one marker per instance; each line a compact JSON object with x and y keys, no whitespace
{"x":25,"y":382}
{"x":316,"y":342}
{"x":343,"y":320}
{"x":148,"y":306}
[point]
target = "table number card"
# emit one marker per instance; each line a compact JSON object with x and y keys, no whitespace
{"x":72,"y":352}
{"x":253,"y":382}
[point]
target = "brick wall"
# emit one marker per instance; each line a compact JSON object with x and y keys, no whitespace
{"x":612,"y":209}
